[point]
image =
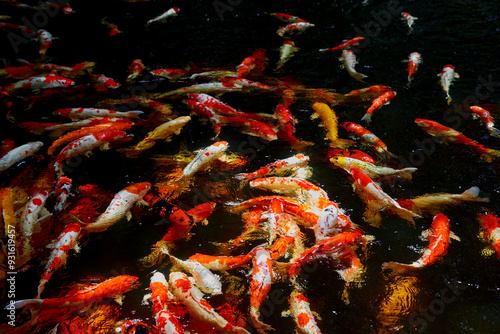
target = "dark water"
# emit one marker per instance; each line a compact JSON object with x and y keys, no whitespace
{"x":457,"y":295}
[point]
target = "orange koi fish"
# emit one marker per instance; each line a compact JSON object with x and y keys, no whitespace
{"x":67,"y":240}
{"x":253,"y":65}
{"x":380,"y":101}
{"x":79,"y":113}
{"x":290,"y":236}
{"x":435,"y":203}
{"x":183,"y":290}
{"x":414,"y":60}
{"x":439,"y":239}
{"x":491,"y":229}
{"x":487,"y":120}
{"x":369,"y":138}
{"x":449,"y":135}
{"x":300,"y":310}
{"x":410,"y":20}
{"x":287,"y":17}
{"x":119,"y":206}
{"x":260,"y":284}
{"x":345,"y":44}
{"x":110,"y":288}
{"x":278,"y":167}
{"x":19,"y":153}
{"x":376,"y":199}
{"x":349,"y":60}
{"x":166,"y":322}
{"x":221,"y":263}
{"x":447,"y":76}
{"x":56,"y":129}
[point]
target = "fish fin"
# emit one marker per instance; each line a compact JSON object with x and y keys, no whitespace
{"x":425,"y":234}
{"x":472,"y":194}
{"x":367,"y":118}
{"x":26,"y":302}
{"x":358,"y":76}
{"x":398,"y":268}
{"x":454,"y":236}
{"x":128,"y":215}
{"x":134,"y":113}
{"x":490,"y":155}
{"x":456,"y":75}
{"x":286,"y":313}
{"x":494,"y":132}
{"x":407,"y":173}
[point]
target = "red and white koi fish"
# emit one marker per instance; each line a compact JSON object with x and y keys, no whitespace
{"x":447,"y":76}
{"x":204,"y":279}
{"x":110,"y":288}
{"x":56,"y":129}
{"x":487,"y":120}
{"x":278,"y":167}
{"x":67,"y":240}
{"x":12,"y":26}
{"x":142,"y":101}
{"x":372,"y":170}
{"x":86,"y":144}
{"x":287,"y":17}
{"x":414,"y":61}
{"x":300,"y":310}
{"x":354,"y":154}
{"x":380,"y":101}
{"x":31,"y":213}
{"x":166,"y":322}
{"x":366,"y":94}
{"x":293,"y":28}
{"x":449,"y":135}
{"x":376,"y":199}
{"x":349,"y":60}
{"x":113,"y":28}
{"x":41,"y":82}
{"x":369,"y":138}
{"x":203,"y":159}
{"x":260,"y":284}
{"x":286,"y":128}
{"x":221,"y":263}
{"x":45,"y":38}
{"x":36,"y":69}
{"x":172,"y":74}
{"x":135,"y":70}
{"x":19,"y":153}
{"x":62,"y":193}
{"x":491,"y":229}
{"x":439,"y":236}
{"x":290,"y":236}
{"x":251,"y":127}
{"x":435,"y":203}
{"x":120,"y":205}
{"x":184,"y":291}
{"x":410,"y":20}
{"x":79,"y":113}
{"x":103,"y":81}
{"x":287,"y":50}
{"x":345,"y":44}
{"x":172,"y":12}
{"x":207,"y":113}
{"x":211,"y":88}
{"x":248,"y":85}
{"x":252,"y":65}
{"x":122,"y":124}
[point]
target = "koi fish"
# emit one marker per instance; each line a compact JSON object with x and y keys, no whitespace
{"x":56,"y":129}
{"x":345,"y":44}
{"x":491,"y":229}
{"x":366,"y":94}
{"x":19,"y":153}
{"x":211,"y":88}
{"x":119,"y":206}
{"x":215,"y":74}
{"x":182,"y":288}
{"x":207,"y":113}
{"x":205,"y":280}
{"x":330,"y":121}
{"x":449,"y":135}
{"x":410,"y":20}
{"x":122,"y":124}
{"x":447,"y":76}
{"x":250,"y":127}
{"x":376,"y":199}
{"x":166,"y":322}
{"x":86,"y":144}
{"x":293,"y":28}
{"x":110,"y":288}
{"x":354,"y":154}
{"x":349,"y":60}
{"x":260,"y":284}
{"x":414,"y":60}
{"x":45,"y":39}
{"x":79,"y":113}
{"x":300,"y":310}
{"x":439,"y":236}
{"x":40,"y":82}
{"x":380,"y":101}
{"x":369,"y":138}
{"x":136,"y":68}
{"x":287,"y":17}
{"x":31,"y":213}
{"x":287,"y":50}
{"x":278,"y":167}
{"x":249,"y":85}
{"x":62,"y":193}
{"x":221,"y":263}
{"x":487,"y":120}
{"x":203,"y":159}
{"x":142,"y":101}
{"x":112,"y":28}
{"x":171,"y":74}
{"x":36,"y":69}
{"x":67,"y":240}
{"x":435,"y":203}
{"x":172,"y":12}
{"x":372,"y":170}
{"x":103,"y":81}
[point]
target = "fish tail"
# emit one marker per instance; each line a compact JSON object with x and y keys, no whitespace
{"x":398,"y":268}
{"x":36,"y":303}
{"x":135,"y":113}
{"x":300,"y":146}
{"x":494,"y":132}
{"x":490,"y":155}
{"x":41,"y":286}
{"x":367,"y":118}
{"x":472,"y":194}
{"x":405,"y":214}
{"x":407,"y":173}
{"x":160,"y":251}
{"x":359,"y":76}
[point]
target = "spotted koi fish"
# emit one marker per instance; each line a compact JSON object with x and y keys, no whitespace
{"x":172,"y":74}
{"x":380,"y":101}
{"x":300,"y":310}
{"x":372,"y":170}
{"x":61,"y":193}
{"x":205,"y":280}
{"x":414,"y":61}
{"x":491,"y":229}
{"x":79,"y":113}
{"x":260,"y":284}
{"x":487,"y":120}
{"x":278,"y":167}
{"x":19,"y":153}
{"x":345,"y":44}
{"x":287,"y":50}
{"x":410,"y":20}
{"x":166,"y":322}
{"x":369,"y":138}
{"x":40,"y":82}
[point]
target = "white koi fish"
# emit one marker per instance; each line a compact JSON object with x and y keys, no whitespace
{"x":165,"y":16}
{"x":79,"y":113}
{"x":348,"y":59}
{"x":287,"y":51}
{"x":447,"y":76}
{"x":19,"y":153}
